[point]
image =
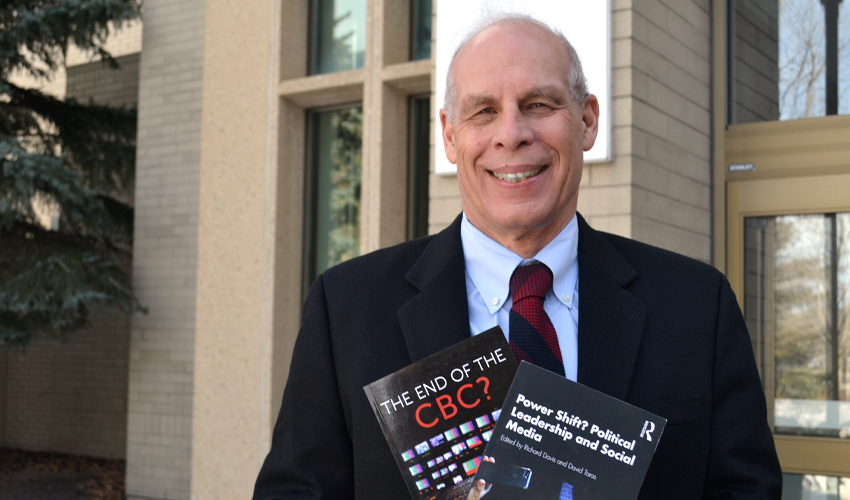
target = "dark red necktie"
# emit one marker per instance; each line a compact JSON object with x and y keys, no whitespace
{"x":532,"y":336}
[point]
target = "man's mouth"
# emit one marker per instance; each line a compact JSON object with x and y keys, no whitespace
{"x":516,"y":176}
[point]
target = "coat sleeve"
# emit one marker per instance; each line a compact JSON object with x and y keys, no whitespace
{"x":311,"y":452}
{"x":742,"y":462}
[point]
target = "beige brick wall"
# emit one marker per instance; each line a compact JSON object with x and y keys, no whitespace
{"x":104,"y":85}
{"x":671,"y":121}
{"x":28,"y":399}
{"x":605,"y":192}
{"x":71,"y":397}
{"x":165,"y":250}
{"x":658,"y":187}
{"x":444,"y":202}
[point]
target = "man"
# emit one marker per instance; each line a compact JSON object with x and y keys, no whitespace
{"x":653,"y":328}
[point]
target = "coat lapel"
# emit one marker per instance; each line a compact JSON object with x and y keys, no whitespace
{"x":611,"y":319}
{"x":438,"y":316}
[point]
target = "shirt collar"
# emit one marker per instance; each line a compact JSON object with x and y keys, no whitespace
{"x":490,"y":265}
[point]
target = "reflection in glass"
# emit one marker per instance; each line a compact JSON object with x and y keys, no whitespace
{"x":421,"y":30}
{"x":780,"y":62}
{"x":797,"y":306}
{"x":812,"y":487}
{"x":803,"y":58}
{"x":753,"y":59}
{"x":802,"y":53}
{"x":338,"y":37}
{"x":335,"y":178}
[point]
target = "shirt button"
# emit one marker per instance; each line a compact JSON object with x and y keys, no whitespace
{"x":495,"y":302}
{"x":566,"y":299}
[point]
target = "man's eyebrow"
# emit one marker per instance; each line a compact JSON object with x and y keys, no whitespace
{"x":550,"y":92}
{"x":476,"y":100}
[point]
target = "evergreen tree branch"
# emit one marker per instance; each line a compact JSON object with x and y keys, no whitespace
{"x":43,"y":29}
{"x":77,"y":159}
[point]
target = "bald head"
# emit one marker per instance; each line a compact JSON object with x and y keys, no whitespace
{"x":574,"y":77}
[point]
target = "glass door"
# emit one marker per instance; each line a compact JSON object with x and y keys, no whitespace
{"x":789,"y":262}
{"x":785,"y":151}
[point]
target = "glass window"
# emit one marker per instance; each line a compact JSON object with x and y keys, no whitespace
{"x":788,"y":59}
{"x":420,"y":164}
{"x":338,"y":36}
{"x":797,"y":307}
{"x":334,"y":200}
{"x":420,"y":32}
{"x":812,"y":487}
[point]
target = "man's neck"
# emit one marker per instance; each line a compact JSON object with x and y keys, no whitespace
{"x":527,"y":243}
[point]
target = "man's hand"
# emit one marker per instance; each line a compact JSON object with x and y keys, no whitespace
{"x":481,"y":487}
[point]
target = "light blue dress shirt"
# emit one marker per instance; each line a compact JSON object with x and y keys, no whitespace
{"x":489,"y":267}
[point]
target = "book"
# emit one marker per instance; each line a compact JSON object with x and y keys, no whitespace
{"x":557,"y":439}
{"x":438,"y":414}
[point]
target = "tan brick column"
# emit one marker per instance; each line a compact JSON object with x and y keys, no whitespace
{"x":657,"y":189}
{"x":162,"y":349}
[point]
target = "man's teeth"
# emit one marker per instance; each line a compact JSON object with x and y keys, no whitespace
{"x":517,"y":177}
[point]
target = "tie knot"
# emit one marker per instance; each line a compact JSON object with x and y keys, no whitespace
{"x":533,"y":280}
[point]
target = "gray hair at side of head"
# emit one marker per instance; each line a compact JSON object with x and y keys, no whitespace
{"x":575,"y":79}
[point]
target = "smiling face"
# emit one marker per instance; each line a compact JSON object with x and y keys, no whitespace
{"x":517,"y":136}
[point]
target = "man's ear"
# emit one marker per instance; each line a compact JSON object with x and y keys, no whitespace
{"x":590,"y":117}
{"x":448,"y":137}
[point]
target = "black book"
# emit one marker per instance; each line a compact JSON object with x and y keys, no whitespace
{"x":439,"y":413}
{"x":560,"y":440}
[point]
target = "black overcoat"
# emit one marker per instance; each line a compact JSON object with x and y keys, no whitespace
{"x":656,"y":329}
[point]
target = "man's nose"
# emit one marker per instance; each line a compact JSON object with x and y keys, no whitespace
{"x":513,"y":130}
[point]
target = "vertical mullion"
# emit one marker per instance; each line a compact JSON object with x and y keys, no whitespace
{"x":731,"y":33}
{"x":369,"y":202}
{"x":832,"y":330}
{"x":310,"y":207}
{"x":419,"y":171}
{"x":830,"y":11}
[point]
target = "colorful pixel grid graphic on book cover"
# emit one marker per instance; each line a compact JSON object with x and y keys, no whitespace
{"x":438,"y":414}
